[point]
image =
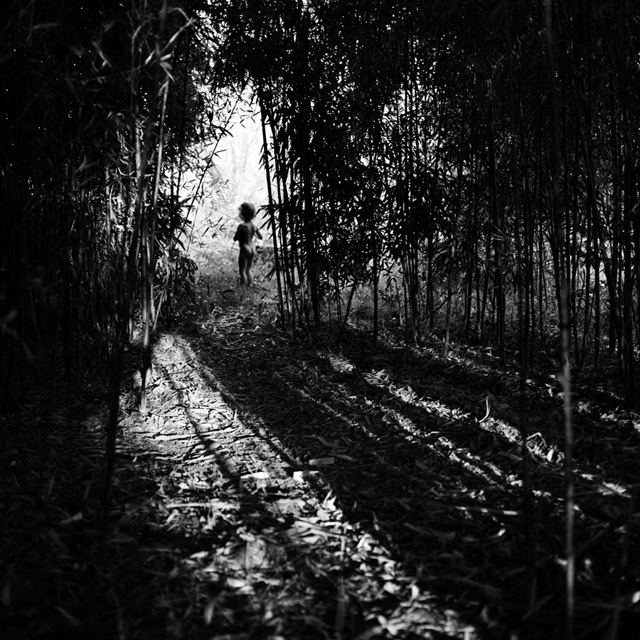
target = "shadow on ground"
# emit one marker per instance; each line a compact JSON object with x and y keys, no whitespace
{"x":280,"y":489}
{"x":419,"y":467}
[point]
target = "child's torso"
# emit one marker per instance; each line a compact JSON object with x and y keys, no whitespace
{"x":245,"y":233}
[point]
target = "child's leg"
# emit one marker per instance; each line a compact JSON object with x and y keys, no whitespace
{"x":248,"y":270}
{"x":242,"y":266}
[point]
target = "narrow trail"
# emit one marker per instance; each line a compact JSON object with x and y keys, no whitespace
{"x":361,"y":492}
{"x":283,"y":488}
{"x":251,"y":460}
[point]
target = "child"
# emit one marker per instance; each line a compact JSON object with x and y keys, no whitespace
{"x":244,"y":235}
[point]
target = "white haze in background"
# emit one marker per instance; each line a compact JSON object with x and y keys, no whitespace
{"x":234,"y":175}
{"x":240,"y":166}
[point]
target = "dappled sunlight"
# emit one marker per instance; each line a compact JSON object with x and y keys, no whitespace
{"x":379,"y":461}
{"x":254,"y":516}
{"x":274,"y":485}
{"x":438,"y":443}
{"x":277,"y":486}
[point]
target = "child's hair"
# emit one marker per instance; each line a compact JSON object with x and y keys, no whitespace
{"x":247,"y":211}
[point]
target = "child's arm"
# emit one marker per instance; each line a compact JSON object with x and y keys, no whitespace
{"x":258,"y":234}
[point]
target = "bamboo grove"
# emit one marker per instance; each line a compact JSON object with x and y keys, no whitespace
{"x":100,"y":106}
{"x":80,"y":145}
{"x":468,"y":161}
{"x":413,"y":151}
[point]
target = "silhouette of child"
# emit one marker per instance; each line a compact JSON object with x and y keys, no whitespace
{"x":244,"y":235}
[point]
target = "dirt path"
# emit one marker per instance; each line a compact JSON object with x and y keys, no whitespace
{"x":250,"y":462}
{"x":286,"y":489}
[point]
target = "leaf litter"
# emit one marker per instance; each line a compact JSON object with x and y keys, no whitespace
{"x":279,"y":488}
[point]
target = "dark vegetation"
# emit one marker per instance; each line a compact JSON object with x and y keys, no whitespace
{"x":422,"y":423}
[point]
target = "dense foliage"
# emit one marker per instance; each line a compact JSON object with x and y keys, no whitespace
{"x":471,"y":163}
{"x":416,"y":147}
{"x":425,"y":149}
{"x":100,"y":107}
